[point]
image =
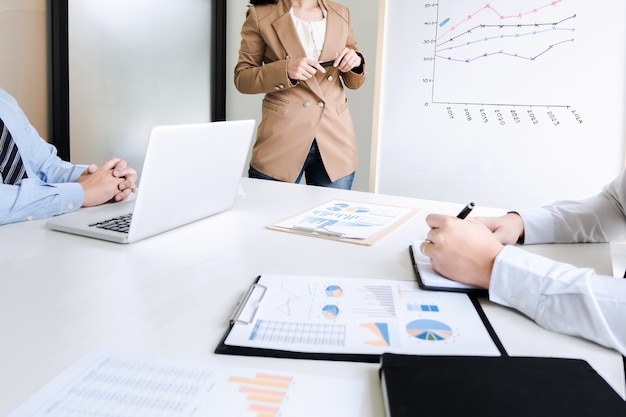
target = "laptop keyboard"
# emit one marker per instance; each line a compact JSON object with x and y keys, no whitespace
{"x":116,"y":224}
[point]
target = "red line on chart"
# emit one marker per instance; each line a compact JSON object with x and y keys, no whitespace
{"x":537,"y":28}
{"x":488,"y":7}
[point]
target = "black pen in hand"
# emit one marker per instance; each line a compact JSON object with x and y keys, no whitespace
{"x":466,"y":210}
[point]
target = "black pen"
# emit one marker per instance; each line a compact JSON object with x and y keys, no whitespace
{"x":466,"y":210}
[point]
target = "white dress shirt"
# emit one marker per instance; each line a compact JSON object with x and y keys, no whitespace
{"x":558,"y":296}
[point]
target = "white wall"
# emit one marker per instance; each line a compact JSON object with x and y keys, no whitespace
{"x":365,"y":21}
{"x":23,"y":58}
{"x":135,"y":64}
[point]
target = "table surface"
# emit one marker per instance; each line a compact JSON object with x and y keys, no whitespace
{"x":62,"y":296}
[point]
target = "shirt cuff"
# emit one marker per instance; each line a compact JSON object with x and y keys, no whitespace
{"x":71,"y":196}
{"x":515,"y":279}
{"x":538,"y":226}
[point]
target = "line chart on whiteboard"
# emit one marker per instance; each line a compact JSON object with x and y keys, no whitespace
{"x":504,"y":53}
{"x":504,"y":101}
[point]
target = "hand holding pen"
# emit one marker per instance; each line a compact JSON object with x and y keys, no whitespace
{"x":466,"y":210}
{"x":301,"y":69}
{"x":462,"y":215}
{"x":462,"y":250}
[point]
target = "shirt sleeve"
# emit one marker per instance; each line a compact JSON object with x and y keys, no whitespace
{"x":34,"y":199}
{"x":596,"y":219}
{"x":51,"y":186}
{"x":561,"y":297}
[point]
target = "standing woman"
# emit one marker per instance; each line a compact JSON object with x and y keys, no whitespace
{"x":300,"y":54}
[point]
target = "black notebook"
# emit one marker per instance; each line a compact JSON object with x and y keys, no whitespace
{"x":428,"y":279}
{"x":445,"y":386}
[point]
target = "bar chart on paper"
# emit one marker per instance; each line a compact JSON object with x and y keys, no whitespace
{"x":508,"y":103}
{"x":118,"y":384}
{"x":251,"y":393}
{"x":262,"y":393}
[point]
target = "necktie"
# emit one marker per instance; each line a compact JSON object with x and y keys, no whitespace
{"x":11,"y":166}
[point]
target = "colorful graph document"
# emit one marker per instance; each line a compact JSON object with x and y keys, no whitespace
{"x":349,"y":221}
{"x":336,"y":315}
{"x":129,"y":385}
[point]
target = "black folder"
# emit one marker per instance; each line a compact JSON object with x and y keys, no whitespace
{"x":225,"y":349}
{"x":446,"y":386}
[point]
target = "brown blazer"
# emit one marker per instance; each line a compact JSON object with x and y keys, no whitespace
{"x":293,"y":114}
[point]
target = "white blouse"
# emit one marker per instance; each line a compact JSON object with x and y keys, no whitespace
{"x":312,"y":34}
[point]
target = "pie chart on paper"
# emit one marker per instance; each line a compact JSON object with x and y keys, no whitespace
{"x":330,"y":311}
{"x":426,"y":329}
{"x":334,"y":291}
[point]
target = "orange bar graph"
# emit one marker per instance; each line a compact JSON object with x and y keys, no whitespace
{"x":275,"y":377}
{"x":257,"y":381}
{"x":260,"y":391}
{"x":264,"y":392}
{"x":264,"y":409}
{"x":265,"y":399}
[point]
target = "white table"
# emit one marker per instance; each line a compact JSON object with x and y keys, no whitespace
{"x":62,"y":296}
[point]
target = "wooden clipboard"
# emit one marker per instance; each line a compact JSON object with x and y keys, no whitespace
{"x":330,"y":235}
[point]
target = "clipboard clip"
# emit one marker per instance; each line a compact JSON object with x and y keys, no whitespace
{"x":318,"y":231}
{"x":246,"y":308}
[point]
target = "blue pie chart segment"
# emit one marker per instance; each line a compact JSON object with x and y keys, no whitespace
{"x":426,"y":329}
{"x":330,"y":311}
{"x":334,"y":291}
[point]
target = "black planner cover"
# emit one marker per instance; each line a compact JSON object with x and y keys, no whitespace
{"x":445,"y":386}
{"x":224,"y":349}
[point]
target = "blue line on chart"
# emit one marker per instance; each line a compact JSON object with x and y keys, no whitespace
{"x":286,"y":307}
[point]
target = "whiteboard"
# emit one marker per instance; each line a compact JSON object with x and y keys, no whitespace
{"x":509,"y":104}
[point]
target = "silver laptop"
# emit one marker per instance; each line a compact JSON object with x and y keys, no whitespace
{"x":190,"y":172}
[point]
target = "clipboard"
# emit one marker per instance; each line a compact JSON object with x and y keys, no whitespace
{"x":245,"y":311}
{"x":346,"y":217}
{"x":248,"y":325}
{"x":428,"y":279}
